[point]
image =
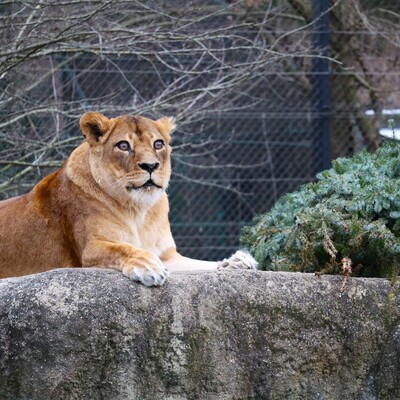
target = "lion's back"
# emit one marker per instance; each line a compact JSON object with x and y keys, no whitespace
{"x":29,"y":241}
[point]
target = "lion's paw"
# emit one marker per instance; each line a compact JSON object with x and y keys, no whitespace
{"x":150,"y":271}
{"x":240,"y":260}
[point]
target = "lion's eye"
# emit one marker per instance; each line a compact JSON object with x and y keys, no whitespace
{"x":123,"y":145}
{"x":158,"y":144}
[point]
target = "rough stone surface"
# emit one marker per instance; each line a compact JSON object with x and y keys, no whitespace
{"x":93,"y":334}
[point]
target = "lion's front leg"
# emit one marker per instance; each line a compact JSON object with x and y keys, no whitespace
{"x":240,"y":260}
{"x":137,"y":264}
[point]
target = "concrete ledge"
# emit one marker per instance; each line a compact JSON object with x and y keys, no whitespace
{"x":93,"y":334}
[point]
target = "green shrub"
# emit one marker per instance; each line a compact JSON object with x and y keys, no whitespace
{"x":353,"y":210}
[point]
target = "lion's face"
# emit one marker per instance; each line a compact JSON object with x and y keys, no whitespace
{"x":129,"y":155}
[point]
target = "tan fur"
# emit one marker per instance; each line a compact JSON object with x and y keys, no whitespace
{"x":95,"y":211}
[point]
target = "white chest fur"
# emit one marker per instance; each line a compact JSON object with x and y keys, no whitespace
{"x":145,"y":231}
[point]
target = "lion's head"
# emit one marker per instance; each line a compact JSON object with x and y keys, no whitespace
{"x":129,"y":156}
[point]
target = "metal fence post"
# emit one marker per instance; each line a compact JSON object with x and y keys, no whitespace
{"x":321,"y":103}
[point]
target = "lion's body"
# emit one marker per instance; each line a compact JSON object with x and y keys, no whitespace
{"x":31,"y":234}
{"x":105,"y":207}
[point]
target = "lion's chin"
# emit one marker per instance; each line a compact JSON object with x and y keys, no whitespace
{"x":145,"y":197}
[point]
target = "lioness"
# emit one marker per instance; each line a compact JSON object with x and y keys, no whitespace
{"x":105,"y":207}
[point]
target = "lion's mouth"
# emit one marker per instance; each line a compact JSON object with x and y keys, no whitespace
{"x":147,"y":185}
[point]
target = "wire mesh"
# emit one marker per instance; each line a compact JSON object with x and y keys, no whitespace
{"x":240,"y":77}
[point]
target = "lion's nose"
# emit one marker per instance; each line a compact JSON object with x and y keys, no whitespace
{"x":149,"y":167}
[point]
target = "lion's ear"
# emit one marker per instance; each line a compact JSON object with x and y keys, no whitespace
{"x":166,"y":125}
{"x":94,"y":127}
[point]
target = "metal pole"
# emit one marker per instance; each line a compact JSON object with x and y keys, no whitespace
{"x":321,"y":102}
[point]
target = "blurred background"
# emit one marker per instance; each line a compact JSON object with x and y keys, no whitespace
{"x":266,"y":93}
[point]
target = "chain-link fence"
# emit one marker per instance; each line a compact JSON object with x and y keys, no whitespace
{"x":265,"y":94}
